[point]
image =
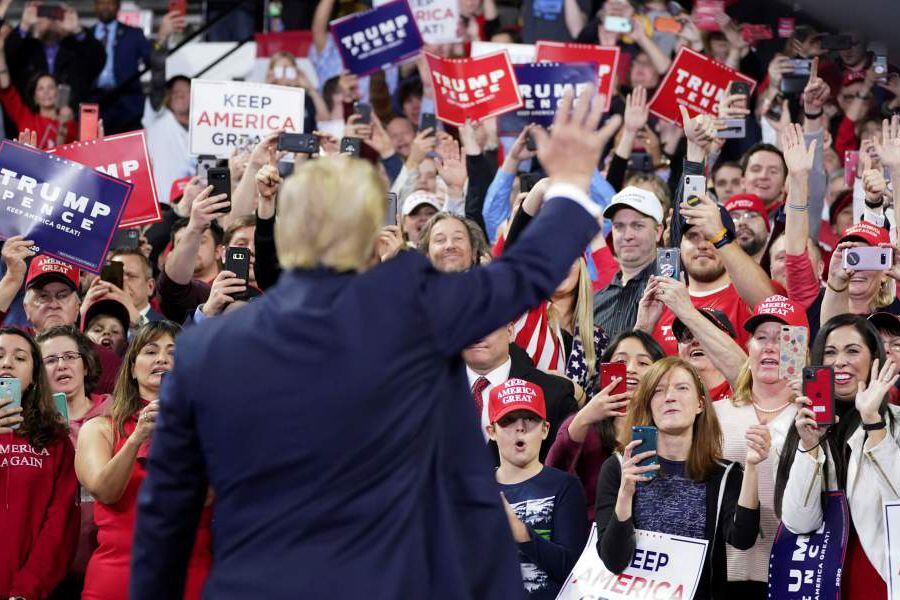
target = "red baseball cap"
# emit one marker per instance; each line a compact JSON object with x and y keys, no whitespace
{"x":777,"y":308}
{"x":516,"y":394}
{"x":44,"y":269}
{"x":871,"y":234}
{"x":749,"y":203}
{"x":851,"y":77}
{"x":843,"y":200}
{"x":177,"y":189}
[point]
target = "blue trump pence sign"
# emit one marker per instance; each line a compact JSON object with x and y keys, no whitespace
{"x":68,"y":210}
{"x":377,"y":38}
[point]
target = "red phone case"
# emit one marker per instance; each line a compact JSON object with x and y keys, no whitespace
{"x":610,"y":370}
{"x":818,"y":386}
{"x":179,"y":6}
{"x":88,"y":119}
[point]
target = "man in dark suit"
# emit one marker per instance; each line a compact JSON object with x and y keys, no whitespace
{"x":127,"y":51}
{"x":493,"y":359}
{"x":59,"y":47}
{"x":332,"y":418}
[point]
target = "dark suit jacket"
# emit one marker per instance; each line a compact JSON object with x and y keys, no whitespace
{"x":78,"y":62}
{"x":333,"y":420}
{"x":131,"y":52}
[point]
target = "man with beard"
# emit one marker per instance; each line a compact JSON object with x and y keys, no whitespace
{"x":721,"y":276}
{"x":751,"y":223}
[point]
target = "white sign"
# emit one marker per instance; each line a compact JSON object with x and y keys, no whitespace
{"x":664,"y":567}
{"x":229,"y":114}
{"x":438,"y":20}
{"x":519,"y":54}
{"x":892,"y":547}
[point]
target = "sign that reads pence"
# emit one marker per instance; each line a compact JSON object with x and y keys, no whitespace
{"x":473,"y":88}
{"x":226,"y":114}
{"x":542,"y":86}
{"x":372,"y":40}
{"x":695,"y":81}
{"x":69,"y":211}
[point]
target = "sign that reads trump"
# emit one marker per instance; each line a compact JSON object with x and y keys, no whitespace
{"x":473,"y":88}
{"x":438,"y":20}
{"x":69,"y":211}
{"x":607,"y":60}
{"x":542,"y":86}
{"x":225,"y":114}
{"x":695,"y":81}
{"x":372,"y":40}
{"x":124,"y":156}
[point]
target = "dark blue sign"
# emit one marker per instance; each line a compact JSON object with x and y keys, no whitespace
{"x":809,"y":566}
{"x":542,"y":86}
{"x":375,"y":39}
{"x":68,"y":210}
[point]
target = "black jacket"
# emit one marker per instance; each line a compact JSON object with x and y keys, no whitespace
{"x":725,"y":522}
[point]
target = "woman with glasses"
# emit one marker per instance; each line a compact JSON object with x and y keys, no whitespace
{"x":110,"y":465}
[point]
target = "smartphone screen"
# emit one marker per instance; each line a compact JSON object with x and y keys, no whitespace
{"x":220,"y":179}
{"x":237,"y":260}
{"x":818,"y":386}
{"x":113,"y":273}
{"x":11,"y":389}
{"x":88,"y":119}
{"x":648,"y":435}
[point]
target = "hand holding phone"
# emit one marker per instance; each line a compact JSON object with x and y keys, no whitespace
{"x":867,"y":258}
{"x":647,"y":434}
{"x":114,"y":273}
{"x":220,"y":179}
{"x":818,"y":386}
{"x":11,"y":397}
{"x":614,"y":370}
{"x":668,"y":262}
{"x":237,"y":260}
{"x":351,"y":146}
{"x":694,"y":189}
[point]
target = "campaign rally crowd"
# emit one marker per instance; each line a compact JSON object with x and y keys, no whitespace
{"x":711,"y":367}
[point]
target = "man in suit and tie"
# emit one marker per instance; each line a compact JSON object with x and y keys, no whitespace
{"x":127,"y":51}
{"x":332,"y":418}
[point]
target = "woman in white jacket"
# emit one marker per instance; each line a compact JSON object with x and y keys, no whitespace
{"x":860,"y":455}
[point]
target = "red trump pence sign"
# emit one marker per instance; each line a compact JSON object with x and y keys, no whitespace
{"x":696,"y":82}
{"x":473,"y":88}
{"x":607,"y":60}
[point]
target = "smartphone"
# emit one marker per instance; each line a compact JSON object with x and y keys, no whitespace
{"x":392,"y":209}
{"x":647,"y":434}
{"x":641,"y":162}
{"x":868,"y":258}
{"x":51,"y":11}
{"x":800,"y":66}
{"x":530,"y":143}
{"x":364,"y":110}
{"x":836,"y":42}
{"x":220,"y":179}
{"x":818,"y":386}
{"x":667,"y":25}
{"x":792,"y":344}
{"x":668,"y":262}
{"x":739,"y":87}
{"x":732,"y":129}
{"x":528,"y":181}
{"x":694,"y":189}
{"x":428,"y":120}
{"x":126,"y":238}
{"x":11,"y":388}
{"x":63,"y":95}
{"x":88,"y":118}
{"x":775,"y":108}
{"x":851,"y":165}
{"x":351,"y":145}
{"x":62,"y":406}
{"x":205,"y":162}
{"x":617,"y":24}
{"x":793,"y":85}
{"x":113,"y":273}
{"x":610,"y":370}
{"x":305,"y":143}
{"x":880,"y":67}
{"x":178,"y":6}
{"x":237,"y":260}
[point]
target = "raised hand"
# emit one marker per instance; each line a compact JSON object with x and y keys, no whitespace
{"x":816,"y":92}
{"x":224,"y":288}
{"x":631,"y":473}
{"x":797,"y":155}
{"x":571,"y":151}
{"x":705,"y":216}
{"x":650,"y":308}
{"x":422,"y":144}
{"x":872,"y":180}
{"x":700,"y":132}
{"x":268,"y":180}
{"x":637,"y":110}
{"x":206,"y":208}
{"x":805,"y":423}
{"x":869,"y":397}
{"x":146,"y":422}
{"x":451,"y":167}
{"x":28,"y":137}
{"x":759,"y":441}
{"x":10,"y":416}
{"x":15,"y":250}
{"x":888,"y":147}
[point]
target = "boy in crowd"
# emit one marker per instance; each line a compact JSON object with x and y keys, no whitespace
{"x":545,"y":506}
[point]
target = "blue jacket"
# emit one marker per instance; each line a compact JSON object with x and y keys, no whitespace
{"x":333,"y":421}
{"x":130,"y":53}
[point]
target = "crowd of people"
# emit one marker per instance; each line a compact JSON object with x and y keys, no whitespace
{"x":696,"y":346}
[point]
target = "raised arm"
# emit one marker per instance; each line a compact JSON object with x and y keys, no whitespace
{"x":321,"y":17}
{"x":799,"y":159}
{"x":243,"y":196}
{"x":180,"y":263}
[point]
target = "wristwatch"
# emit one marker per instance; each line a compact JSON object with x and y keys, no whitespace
{"x":874,"y":426}
{"x":723,"y":241}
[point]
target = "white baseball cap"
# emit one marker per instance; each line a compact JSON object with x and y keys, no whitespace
{"x":418,"y":198}
{"x":637,"y":199}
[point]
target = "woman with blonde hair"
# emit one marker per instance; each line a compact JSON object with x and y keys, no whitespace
{"x":283,"y":70}
{"x":692,"y":492}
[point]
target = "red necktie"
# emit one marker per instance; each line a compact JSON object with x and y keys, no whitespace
{"x":478,"y":388}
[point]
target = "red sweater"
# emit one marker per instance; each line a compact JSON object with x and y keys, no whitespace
{"x":39,"y":515}
{"x":23,"y":117}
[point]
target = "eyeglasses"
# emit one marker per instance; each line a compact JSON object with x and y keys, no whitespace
{"x":44,"y":298}
{"x":744,"y":215}
{"x":67,"y":357}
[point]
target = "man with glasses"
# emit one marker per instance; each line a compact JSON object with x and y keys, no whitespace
{"x":751,"y":223}
{"x":888,"y":326}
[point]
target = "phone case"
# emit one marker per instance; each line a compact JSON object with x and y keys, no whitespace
{"x":793,"y":343}
{"x":220,"y":179}
{"x":667,"y":25}
{"x":610,"y":370}
{"x":851,"y":164}
{"x":62,"y":406}
{"x":867,"y":258}
{"x":237,"y":260}
{"x":668,"y":262}
{"x":694,"y":188}
{"x":11,"y":388}
{"x":617,"y":24}
{"x":818,"y":386}
{"x":647,"y":434}
{"x":351,"y":145}
{"x":113,"y":273}
{"x":87,"y":122}
{"x":732,"y":129}
{"x":428,"y":120}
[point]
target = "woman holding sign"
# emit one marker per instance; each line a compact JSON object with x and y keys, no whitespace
{"x":859,"y":454}
{"x":692,"y":492}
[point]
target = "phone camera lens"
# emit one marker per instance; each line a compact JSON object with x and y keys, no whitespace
{"x":852,"y":259}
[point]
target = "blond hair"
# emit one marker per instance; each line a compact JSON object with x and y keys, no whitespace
{"x":583,"y":318}
{"x":329,"y":214}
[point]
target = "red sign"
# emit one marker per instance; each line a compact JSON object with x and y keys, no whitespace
{"x":473,"y":88}
{"x":756,"y":33}
{"x":786,"y":26}
{"x":695,"y":81}
{"x":295,"y":42}
{"x":705,"y":12}
{"x":125,"y":157}
{"x":607,"y":60}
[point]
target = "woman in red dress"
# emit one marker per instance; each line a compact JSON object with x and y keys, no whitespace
{"x":110,"y":465}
